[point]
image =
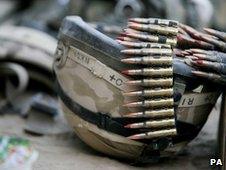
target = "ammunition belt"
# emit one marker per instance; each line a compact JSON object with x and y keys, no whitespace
{"x":149,"y":43}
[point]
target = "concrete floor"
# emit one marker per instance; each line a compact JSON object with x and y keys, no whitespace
{"x":68,"y":152}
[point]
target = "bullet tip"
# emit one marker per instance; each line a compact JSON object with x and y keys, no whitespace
{"x":127,"y":126}
{"x":131,"y":115}
{"x":128,"y":104}
{"x":208,"y":29}
{"x":119,"y":41}
{"x":123,"y":51}
{"x":185,"y":53}
{"x":199,"y":56}
{"x":199,"y":62}
{"x":190,"y":57}
{"x":120,"y":38}
{"x":123,"y":60}
{"x":132,"y":25}
{"x":123,"y":34}
{"x":134,"y":137}
{"x":125,"y":72}
{"x":124,"y":105}
{"x":128,"y":82}
{"x":197,"y":73}
{"x":126,"y":60}
{"x":125,"y":94}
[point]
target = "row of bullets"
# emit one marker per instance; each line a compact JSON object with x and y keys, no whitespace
{"x":210,"y":39}
{"x":149,"y":43}
{"x":147,"y":38}
{"x":211,"y":64}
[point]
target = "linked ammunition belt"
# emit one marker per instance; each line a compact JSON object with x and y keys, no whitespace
{"x":149,"y":43}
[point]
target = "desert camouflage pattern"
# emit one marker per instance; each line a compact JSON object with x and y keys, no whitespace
{"x":101,"y":140}
{"x":111,"y":143}
{"x":90,"y":90}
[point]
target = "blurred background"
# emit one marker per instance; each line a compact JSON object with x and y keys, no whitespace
{"x":46,"y":15}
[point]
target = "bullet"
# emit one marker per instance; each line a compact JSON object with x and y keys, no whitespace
{"x":152,"y":38}
{"x":212,"y":56}
{"x":121,"y":38}
{"x":154,"y":28}
{"x":144,"y":45}
{"x":154,"y":134}
{"x":211,"y":76}
{"x":194,"y":50}
{"x":216,"y":33}
{"x":150,"y":72}
{"x":203,"y":44}
{"x":155,"y":103}
{"x":218,"y":43}
{"x":185,"y":52}
{"x":204,"y":74}
{"x":188,"y":51}
{"x":206,"y":57}
{"x":154,"y":61}
{"x":129,"y":30}
{"x":153,"y":124}
{"x":178,"y":52}
{"x":155,"y":21}
{"x":148,"y":51}
{"x":193,"y":32}
{"x":160,"y":82}
{"x":151,"y":93}
{"x":185,"y":42}
{"x":219,"y":67}
{"x":191,"y":57}
{"x":181,"y":31}
{"x":153,"y":113}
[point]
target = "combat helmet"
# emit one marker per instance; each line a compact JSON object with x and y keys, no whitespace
{"x":135,"y":100}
